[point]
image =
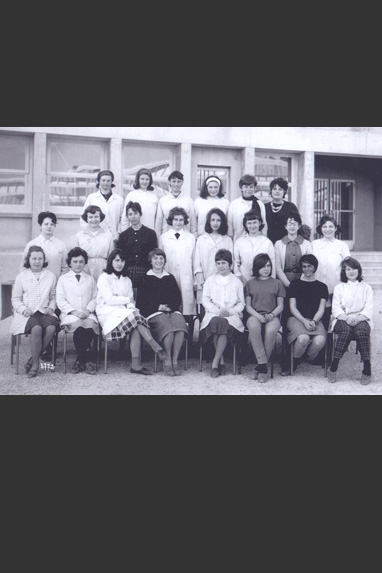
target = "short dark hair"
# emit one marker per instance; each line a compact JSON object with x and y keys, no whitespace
{"x":46,"y":215}
{"x":353,"y":264}
{"x":109,"y":268}
{"x":248,"y":180}
{"x":281,"y":182}
{"x":176,"y":175}
{"x":134,"y":207}
{"x":34,"y":249}
{"x":204,"y":192}
{"x":224,"y":255}
{"x":329,"y":219}
{"x":176,"y":212}
{"x":253,"y":215}
{"x":295,"y":215}
{"x":310,"y":260}
{"x":138,"y":176}
{"x":224,"y":226}
{"x":77,"y":252}
{"x":259,"y":263}
{"x":157,"y":253}
{"x":92,"y":210}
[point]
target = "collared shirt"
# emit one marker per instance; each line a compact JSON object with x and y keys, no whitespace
{"x":293,"y":254}
{"x":36,"y":294}
{"x":166,"y":204}
{"x":149,"y":202}
{"x":55,"y":251}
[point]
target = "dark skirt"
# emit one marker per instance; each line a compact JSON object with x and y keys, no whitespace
{"x":165,"y":324}
{"x":221,"y":327}
{"x":43,"y":320}
{"x":136,"y":274}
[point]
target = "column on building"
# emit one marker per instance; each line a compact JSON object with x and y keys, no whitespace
{"x":305,"y":187}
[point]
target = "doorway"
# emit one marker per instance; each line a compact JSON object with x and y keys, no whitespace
{"x":337,"y":198}
{"x":223,"y":163}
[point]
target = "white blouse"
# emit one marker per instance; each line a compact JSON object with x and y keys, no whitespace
{"x":149,"y":202}
{"x":55,"y":251}
{"x":169,"y":202}
{"x":112,"y":209}
{"x":98,"y":247}
{"x":204,"y":206}
{"x":330,"y":255}
{"x":224,"y":293}
{"x":353,"y":299}
{"x":247,"y":249}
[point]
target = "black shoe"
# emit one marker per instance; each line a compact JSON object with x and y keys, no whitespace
{"x":77,"y":368}
{"x":142,"y":371}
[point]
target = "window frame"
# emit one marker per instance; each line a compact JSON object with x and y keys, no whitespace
{"x":26,"y":208}
{"x":67,"y":210}
{"x":293,"y":182}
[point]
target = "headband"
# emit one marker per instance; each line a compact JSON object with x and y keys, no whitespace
{"x":210,"y":179}
{"x":106,"y":172}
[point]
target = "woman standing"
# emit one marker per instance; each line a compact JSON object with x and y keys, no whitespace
{"x":353,"y":309}
{"x":55,"y":250}
{"x":179,"y":246}
{"x":290,"y":250}
{"x":211,"y":197}
{"x":308,"y":298}
{"x":250,"y":245}
{"x":223,"y":299}
{"x":214,"y":239}
{"x":247,"y":202}
{"x":278,"y":210}
{"x":34,"y":305}
{"x":330,"y":253}
{"x":176,"y":198}
{"x":109,"y":202}
{"x":144,"y":194}
{"x":118,"y":314}
{"x":160,"y":300}
{"x":77,"y":301}
{"x":95,"y":241}
{"x":136,"y":243}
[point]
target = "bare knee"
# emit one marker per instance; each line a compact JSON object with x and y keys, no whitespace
{"x":304,"y":340}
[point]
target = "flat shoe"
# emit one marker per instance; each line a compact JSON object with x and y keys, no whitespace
{"x":162,"y":356}
{"x":223,"y":370}
{"x":332,"y":377}
{"x":366,"y":380}
{"x":168,"y":370}
{"x":143,"y":372}
{"x":32,"y":374}
{"x":215,"y":373}
{"x":28,"y":365}
{"x":263,"y":378}
{"x":177,"y":370}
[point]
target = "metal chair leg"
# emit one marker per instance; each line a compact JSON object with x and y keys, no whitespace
{"x":292,"y":359}
{"x":187,"y":353}
{"x":65,"y":350}
{"x":18,"y":342}
{"x":201,"y":359}
{"x":106,"y":354}
{"x":13,"y":343}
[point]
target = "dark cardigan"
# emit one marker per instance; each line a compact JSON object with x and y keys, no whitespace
{"x":137,"y":245}
{"x":156,"y":292}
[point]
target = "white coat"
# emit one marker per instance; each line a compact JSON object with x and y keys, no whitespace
{"x":204,"y":206}
{"x":220,"y":294}
{"x":112,"y":209}
{"x":246,"y":251}
{"x":74,"y":295}
{"x":149,"y":202}
{"x":330,"y":255}
{"x":115,"y":301}
{"x":238,"y":209}
{"x":180,"y":263}
{"x":169,"y":202}
{"x":98,"y":248}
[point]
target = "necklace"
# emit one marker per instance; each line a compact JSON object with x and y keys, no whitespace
{"x":277,"y":208}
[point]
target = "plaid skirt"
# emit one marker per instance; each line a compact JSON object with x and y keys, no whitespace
{"x":136,"y":274}
{"x":127,"y":326}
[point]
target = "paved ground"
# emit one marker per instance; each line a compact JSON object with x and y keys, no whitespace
{"x":119,"y":382}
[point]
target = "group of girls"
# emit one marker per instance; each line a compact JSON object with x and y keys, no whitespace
{"x":141,"y":267}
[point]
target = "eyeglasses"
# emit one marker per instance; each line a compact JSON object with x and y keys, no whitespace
{"x":293,"y":224}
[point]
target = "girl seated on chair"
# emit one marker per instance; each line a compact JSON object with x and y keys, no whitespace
{"x":160,"y":300}
{"x":77,"y":301}
{"x":353,"y":308}
{"x":265,"y":304}
{"x":308,"y":298}
{"x":118,"y":314}
{"x":34,"y":305}
{"x":223,"y":299}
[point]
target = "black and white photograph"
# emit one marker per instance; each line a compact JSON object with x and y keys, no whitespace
{"x":191,"y":261}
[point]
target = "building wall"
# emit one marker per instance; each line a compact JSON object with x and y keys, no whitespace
{"x":188,"y":147}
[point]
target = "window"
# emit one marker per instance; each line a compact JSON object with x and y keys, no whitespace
{"x":337,"y":199}
{"x":159,"y":159}
{"x":73,"y":165}
{"x":15,"y":173}
{"x":223,"y":173}
{"x":270,"y":166}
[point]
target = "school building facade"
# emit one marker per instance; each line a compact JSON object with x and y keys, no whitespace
{"x":335,"y":170}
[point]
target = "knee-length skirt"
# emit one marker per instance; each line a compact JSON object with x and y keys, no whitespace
{"x":43,"y":320}
{"x":296,"y":329}
{"x":130,"y":323}
{"x":221,"y":327}
{"x":165,"y":324}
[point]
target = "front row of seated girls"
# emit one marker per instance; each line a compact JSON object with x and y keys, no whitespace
{"x":83,"y":304}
